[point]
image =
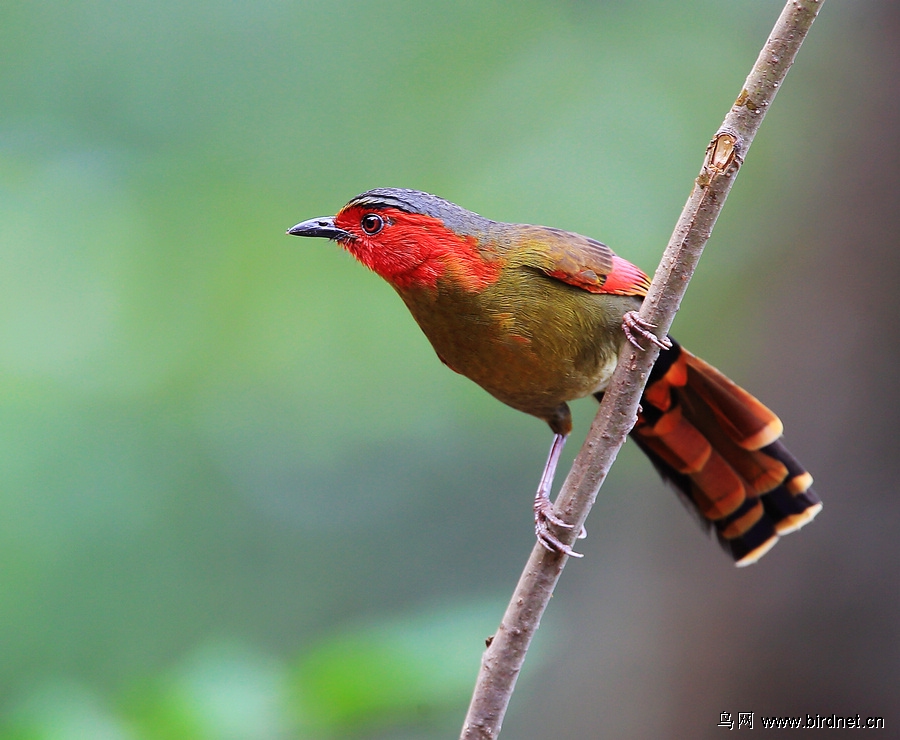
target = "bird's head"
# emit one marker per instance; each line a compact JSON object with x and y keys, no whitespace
{"x":412,"y":239}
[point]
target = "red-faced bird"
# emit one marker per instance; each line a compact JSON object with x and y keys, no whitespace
{"x":536,"y":316}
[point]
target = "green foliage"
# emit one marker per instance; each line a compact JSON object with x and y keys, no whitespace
{"x":393,"y":672}
{"x":405,"y":672}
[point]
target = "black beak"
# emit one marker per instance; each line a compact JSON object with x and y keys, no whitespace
{"x":323,"y":227}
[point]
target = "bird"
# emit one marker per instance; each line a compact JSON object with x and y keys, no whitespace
{"x":536,"y":316}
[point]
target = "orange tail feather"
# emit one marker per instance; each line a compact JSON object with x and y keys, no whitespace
{"x":720,"y":448}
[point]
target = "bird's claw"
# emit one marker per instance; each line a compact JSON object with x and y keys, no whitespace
{"x":633,"y":324}
{"x":543,"y":510}
{"x":543,"y":517}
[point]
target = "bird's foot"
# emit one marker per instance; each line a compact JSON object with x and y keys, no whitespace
{"x":544,"y":515}
{"x":543,"y":518}
{"x":633,"y":324}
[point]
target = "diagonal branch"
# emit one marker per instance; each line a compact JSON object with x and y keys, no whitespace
{"x":505,"y":654}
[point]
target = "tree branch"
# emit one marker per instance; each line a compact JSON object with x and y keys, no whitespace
{"x":505,"y":654}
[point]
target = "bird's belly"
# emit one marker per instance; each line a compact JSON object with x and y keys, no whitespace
{"x":527,"y":356}
{"x":521,"y":377}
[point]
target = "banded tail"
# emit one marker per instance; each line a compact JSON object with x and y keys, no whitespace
{"x":720,"y":448}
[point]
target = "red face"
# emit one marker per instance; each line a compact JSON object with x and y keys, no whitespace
{"x":412,"y":250}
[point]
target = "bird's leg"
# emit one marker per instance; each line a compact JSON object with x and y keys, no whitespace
{"x":543,"y":508}
{"x":633,"y":324}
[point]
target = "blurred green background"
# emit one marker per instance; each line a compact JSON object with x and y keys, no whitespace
{"x":241,"y":498}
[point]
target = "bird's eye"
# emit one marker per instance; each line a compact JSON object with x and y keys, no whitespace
{"x":372,"y":223}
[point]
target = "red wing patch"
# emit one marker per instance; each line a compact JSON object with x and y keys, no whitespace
{"x":626,"y":279}
{"x":588,"y":264}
